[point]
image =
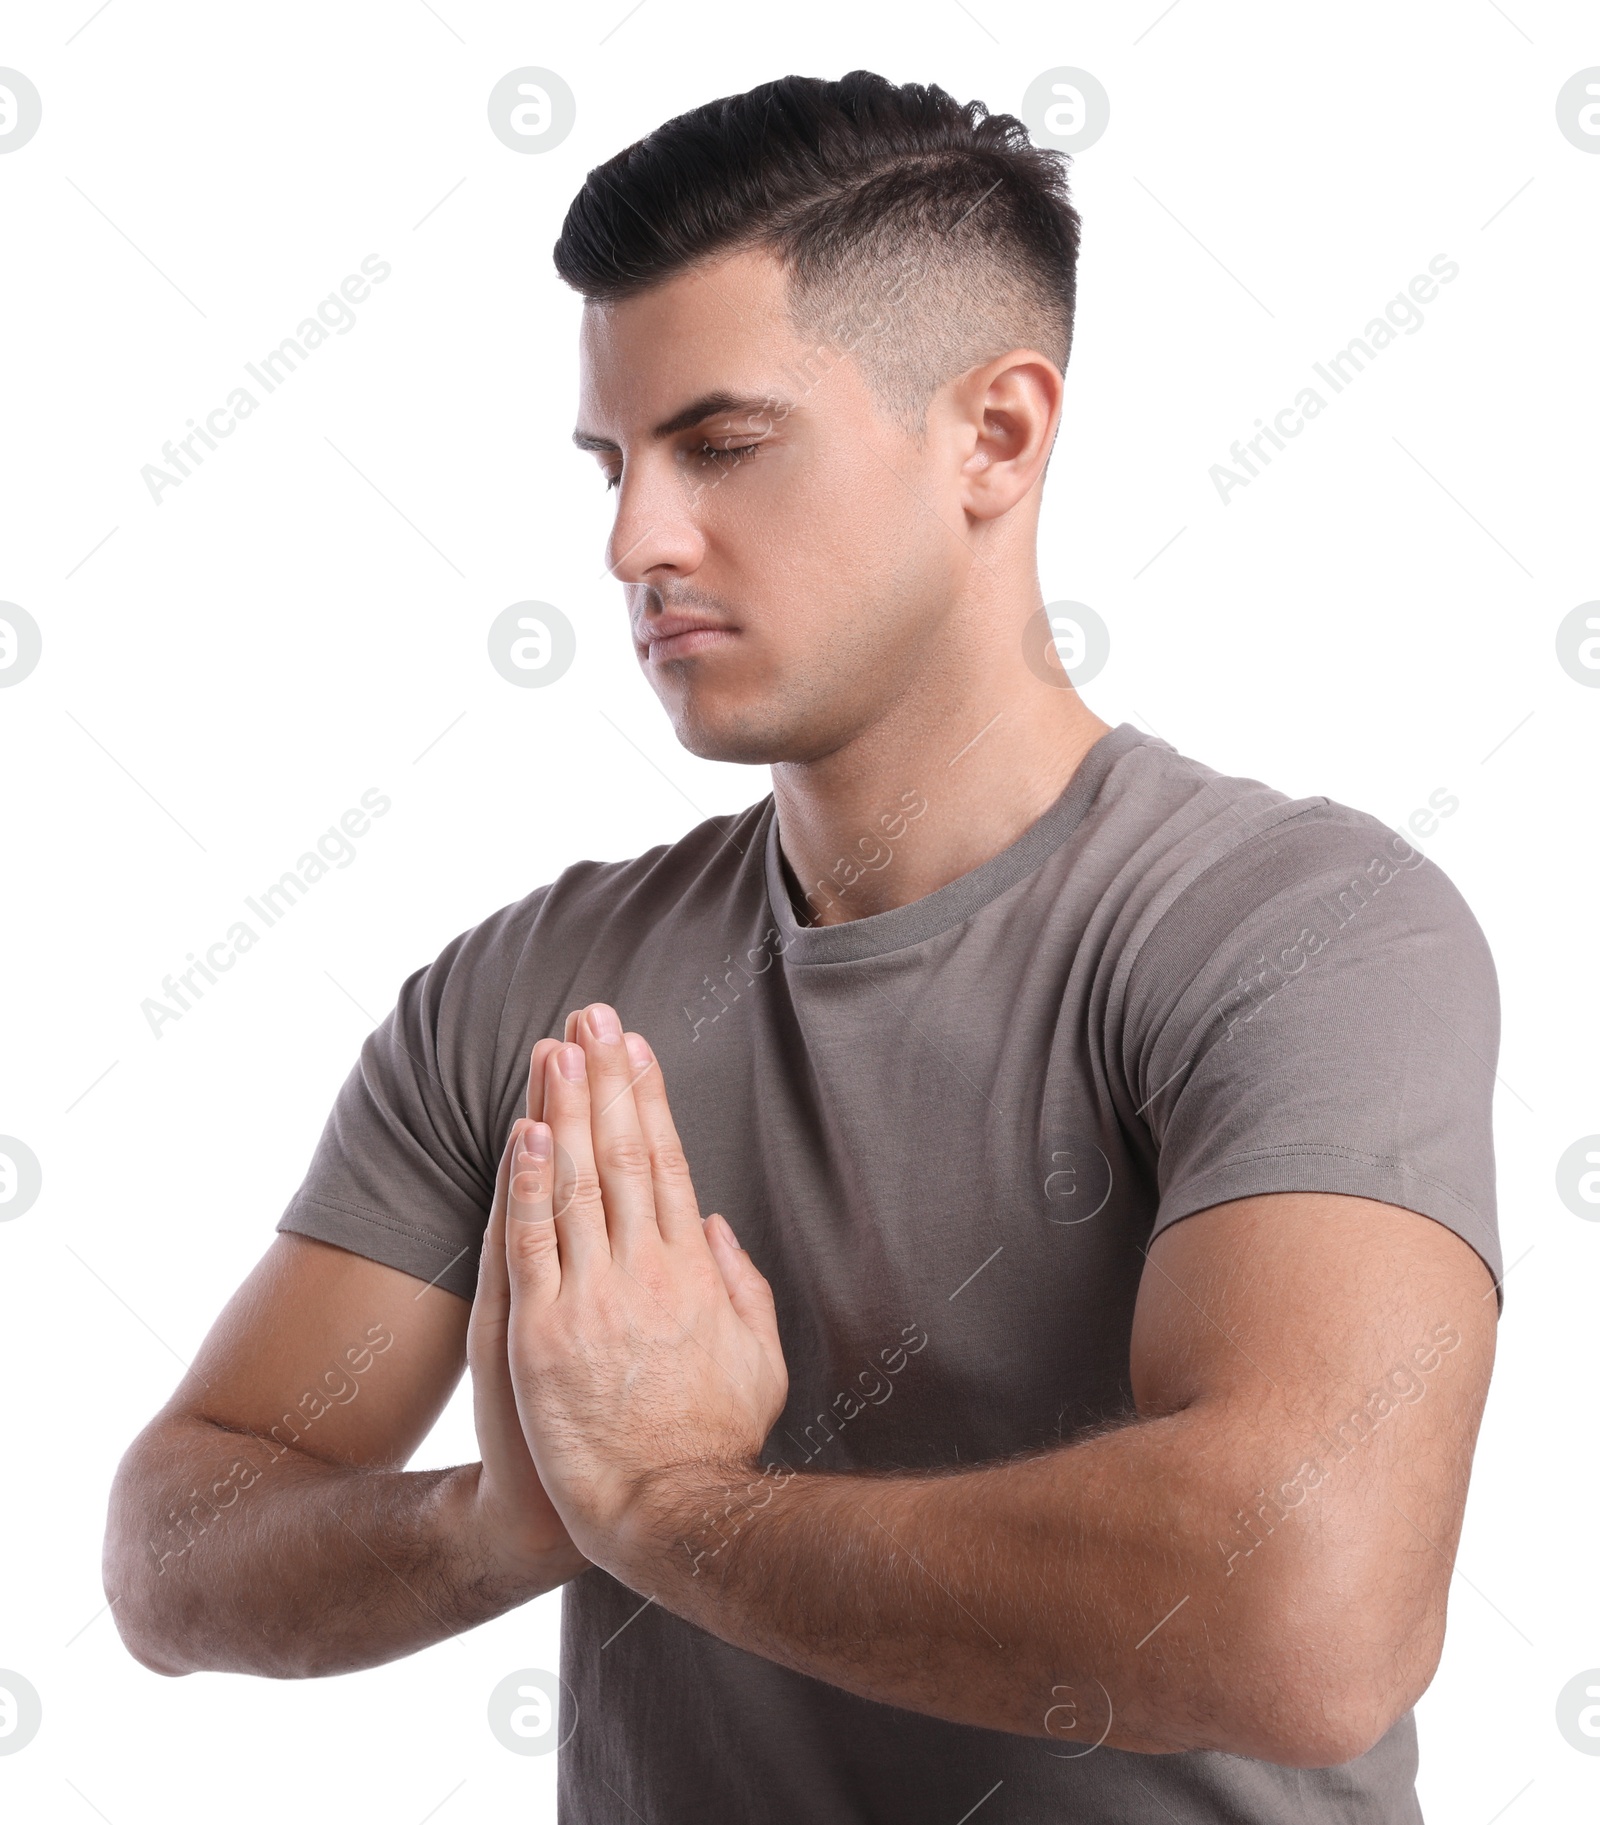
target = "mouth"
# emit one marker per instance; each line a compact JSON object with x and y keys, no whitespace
{"x":680,"y":637}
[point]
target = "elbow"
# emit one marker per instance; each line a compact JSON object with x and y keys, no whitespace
{"x":134,"y":1596}
{"x":136,"y":1613}
{"x":1333,"y":1729}
{"x":139,"y":1577}
{"x":1328,"y":1693}
{"x":146,"y":1650}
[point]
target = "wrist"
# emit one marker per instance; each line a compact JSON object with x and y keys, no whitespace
{"x":685,"y":1519}
{"x":535,"y":1553}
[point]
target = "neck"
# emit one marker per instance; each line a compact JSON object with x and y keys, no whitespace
{"x":925,"y":797}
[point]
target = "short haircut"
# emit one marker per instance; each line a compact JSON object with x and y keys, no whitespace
{"x":923,"y":234}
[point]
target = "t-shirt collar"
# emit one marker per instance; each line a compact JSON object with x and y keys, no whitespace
{"x":902,"y":926}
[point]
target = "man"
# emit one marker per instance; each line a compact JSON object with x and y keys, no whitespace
{"x":1079,"y":1426}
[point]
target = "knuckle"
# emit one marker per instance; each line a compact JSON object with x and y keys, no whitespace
{"x":531,"y":1243}
{"x":660,"y":1290}
{"x":626,"y":1153}
{"x":670,"y":1162}
{"x":583,"y":1187}
{"x":705,"y":1280}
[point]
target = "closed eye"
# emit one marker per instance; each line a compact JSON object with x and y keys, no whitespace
{"x":734,"y":450}
{"x":729,"y":455}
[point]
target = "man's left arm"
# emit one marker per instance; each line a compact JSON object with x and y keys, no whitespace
{"x":1256,"y":1561}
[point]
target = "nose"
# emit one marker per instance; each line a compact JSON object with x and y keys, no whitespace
{"x":655,"y":527}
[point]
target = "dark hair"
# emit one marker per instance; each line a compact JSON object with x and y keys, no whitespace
{"x":851,"y":185}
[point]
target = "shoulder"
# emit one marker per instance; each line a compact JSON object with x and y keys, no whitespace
{"x":591,"y":899}
{"x":706,"y":862}
{"x":1232,"y":878}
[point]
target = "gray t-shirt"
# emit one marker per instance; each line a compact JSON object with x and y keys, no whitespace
{"x":1174,"y":989}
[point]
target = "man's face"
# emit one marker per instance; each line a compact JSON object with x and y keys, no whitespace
{"x":766,"y":501}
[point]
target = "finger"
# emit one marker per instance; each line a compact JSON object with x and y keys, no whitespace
{"x":532,"y":1251}
{"x":491,"y":1307}
{"x":534,"y":1106}
{"x":571,"y":1033}
{"x":621,"y":1155}
{"x":579,"y":1210}
{"x":749,"y":1291}
{"x":677,"y":1209}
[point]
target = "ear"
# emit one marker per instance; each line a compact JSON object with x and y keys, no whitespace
{"x":1007,"y":411}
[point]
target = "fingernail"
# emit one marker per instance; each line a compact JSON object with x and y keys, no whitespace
{"x":729,"y":1228}
{"x":536,"y":1141}
{"x":604,"y":1024}
{"x":569,"y":1062}
{"x":638,"y":1051}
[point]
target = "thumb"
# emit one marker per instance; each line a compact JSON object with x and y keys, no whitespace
{"x":748,"y":1290}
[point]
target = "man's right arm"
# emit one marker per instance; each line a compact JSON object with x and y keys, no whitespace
{"x":263,"y":1521}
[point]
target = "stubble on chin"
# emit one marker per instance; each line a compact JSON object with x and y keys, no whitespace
{"x":745,"y":737}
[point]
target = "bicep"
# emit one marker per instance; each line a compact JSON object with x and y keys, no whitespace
{"x":1311,"y":1293}
{"x":342,"y":1357}
{"x":1331,"y":1355}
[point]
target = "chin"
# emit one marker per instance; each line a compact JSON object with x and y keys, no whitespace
{"x":749,"y":734}
{"x":739,"y":742}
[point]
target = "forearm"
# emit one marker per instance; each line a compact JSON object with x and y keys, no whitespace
{"x":1079,"y":1595}
{"x":224,"y":1557}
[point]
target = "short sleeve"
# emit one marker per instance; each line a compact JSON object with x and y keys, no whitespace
{"x":405,"y":1167}
{"x":1318,"y":1011}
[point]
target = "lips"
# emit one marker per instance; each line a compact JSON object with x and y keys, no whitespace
{"x":680,"y":636}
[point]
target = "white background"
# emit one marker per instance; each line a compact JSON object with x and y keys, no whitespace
{"x":1373,"y":618}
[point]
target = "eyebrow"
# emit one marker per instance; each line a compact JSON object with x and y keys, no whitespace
{"x":708,"y":405}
